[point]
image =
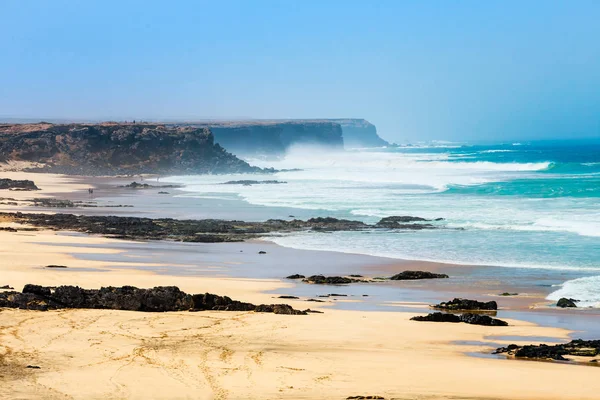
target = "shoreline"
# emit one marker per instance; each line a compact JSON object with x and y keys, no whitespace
{"x":346,"y":351}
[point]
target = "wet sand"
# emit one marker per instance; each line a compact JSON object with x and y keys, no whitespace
{"x":351,"y":349}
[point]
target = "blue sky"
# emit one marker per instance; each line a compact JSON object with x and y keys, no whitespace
{"x":453,"y":70}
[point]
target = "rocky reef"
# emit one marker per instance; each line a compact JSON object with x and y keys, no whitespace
{"x":469,"y":318}
{"x":130,"y":298}
{"x":11,"y":184}
{"x":558,"y":352}
{"x":110,"y":148}
{"x":466,"y":304}
{"x":204,"y":230}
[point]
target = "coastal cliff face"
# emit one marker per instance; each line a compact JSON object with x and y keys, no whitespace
{"x":360,"y":133}
{"x":274,"y":138}
{"x":107,"y":149}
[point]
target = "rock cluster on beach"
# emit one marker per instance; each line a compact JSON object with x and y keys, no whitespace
{"x":469,"y":318}
{"x":205,"y":230}
{"x":135,"y":185}
{"x":158,"y":299}
{"x":11,"y":184}
{"x":353,"y":278}
{"x":414,"y":275}
{"x":466,"y":304}
{"x":580,"y":348}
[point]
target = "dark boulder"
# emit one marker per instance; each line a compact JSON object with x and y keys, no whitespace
{"x":466,"y":304}
{"x":474,"y":319}
{"x":414,"y":275}
{"x":329,"y":280}
{"x":296,"y":276}
{"x":278,"y":309}
{"x":437,"y":317}
{"x":7,"y":287}
{"x":566,"y":303}
{"x":478,"y":319}
{"x":36,"y":289}
{"x":288,"y":297}
{"x":11,"y":184}
{"x":210,"y":301}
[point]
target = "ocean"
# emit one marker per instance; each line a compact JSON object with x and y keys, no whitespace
{"x":516,"y":205}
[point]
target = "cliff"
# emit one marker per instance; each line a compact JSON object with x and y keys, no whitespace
{"x":274,"y":137}
{"x":262,"y":137}
{"x":107,"y":149}
{"x":359,"y":133}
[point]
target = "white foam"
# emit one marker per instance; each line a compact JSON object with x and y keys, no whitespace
{"x":586,"y":290}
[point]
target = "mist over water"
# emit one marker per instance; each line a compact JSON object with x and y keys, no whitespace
{"x":509,"y":205}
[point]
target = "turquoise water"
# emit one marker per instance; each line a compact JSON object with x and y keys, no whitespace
{"x":519,"y":205}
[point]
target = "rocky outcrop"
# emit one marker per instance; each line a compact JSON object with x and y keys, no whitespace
{"x":473,"y":319}
{"x":563,"y":302}
{"x":205,"y":230}
{"x":158,"y":299}
{"x":107,"y":149}
{"x":559,"y":352}
{"x":406,"y":222}
{"x":466,"y":304}
{"x":10,"y":184}
{"x":414,"y":275}
{"x":135,"y":185}
{"x":330,"y":280}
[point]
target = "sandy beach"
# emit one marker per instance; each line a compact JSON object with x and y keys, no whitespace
{"x":107,"y":354}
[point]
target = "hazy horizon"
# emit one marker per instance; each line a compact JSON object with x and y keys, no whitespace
{"x":463,"y":71}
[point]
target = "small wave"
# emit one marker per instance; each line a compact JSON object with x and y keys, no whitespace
{"x":581,"y":228}
{"x":497,"y":151}
{"x":586,"y":290}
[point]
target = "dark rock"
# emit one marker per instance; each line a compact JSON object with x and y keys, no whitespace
{"x":465,"y":304}
{"x":329,"y":280}
{"x":365,"y":397}
{"x":210,"y":301}
{"x":56,"y":266}
{"x":10,"y":184}
{"x":262,"y":252}
{"x":437,"y":317}
{"x":202,"y":231}
{"x":316,"y":300}
{"x":288,"y":297}
{"x":564,"y":303}
{"x":278,"y":309}
{"x":509,"y":294}
{"x":158,"y":299}
{"x":163,"y":192}
{"x":33,"y":367}
{"x":474,"y":319}
{"x":7,"y":287}
{"x":581,"y":348}
{"x":355,"y":276}
{"x":296,"y":276}
{"x":414,"y":275}
{"x":478,"y":319}
{"x":37,"y":289}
